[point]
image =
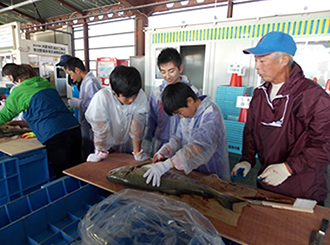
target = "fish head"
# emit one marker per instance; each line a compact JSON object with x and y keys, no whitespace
{"x":121,"y":172}
{"x":125,"y":172}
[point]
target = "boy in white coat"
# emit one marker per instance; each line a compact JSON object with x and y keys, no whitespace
{"x":118,"y":114}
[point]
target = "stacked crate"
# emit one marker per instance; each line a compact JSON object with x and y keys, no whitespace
{"x":226,"y":98}
{"x":49,"y":215}
{"x":22,"y":173}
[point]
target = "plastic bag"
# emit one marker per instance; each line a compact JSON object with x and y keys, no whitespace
{"x":140,"y":217}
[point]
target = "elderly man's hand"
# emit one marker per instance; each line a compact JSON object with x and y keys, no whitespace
{"x":275,"y":174}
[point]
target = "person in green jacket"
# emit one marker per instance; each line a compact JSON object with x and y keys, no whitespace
{"x":46,"y":115}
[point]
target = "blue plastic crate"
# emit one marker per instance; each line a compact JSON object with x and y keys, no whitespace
{"x":226,"y":98}
{"x":10,"y":183}
{"x":21,"y":174}
{"x":33,"y":166}
{"x":43,"y":221}
{"x":234,"y":132}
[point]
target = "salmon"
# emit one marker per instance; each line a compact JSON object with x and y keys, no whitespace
{"x":9,"y":131}
{"x":172,"y":182}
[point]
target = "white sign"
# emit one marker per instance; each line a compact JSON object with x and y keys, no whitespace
{"x":6,"y":37}
{"x":236,"y":68}
{"x":48,"y":49}
{"x":243,"y":101}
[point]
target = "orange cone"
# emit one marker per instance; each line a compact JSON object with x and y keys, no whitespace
{"x":239,"y":81}
{"x":327,"y":86}
{"x":243,"y":113}
{"x":315,"y":79}
{"x":233,"y":80}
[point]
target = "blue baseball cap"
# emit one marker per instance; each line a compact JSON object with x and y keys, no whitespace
{"x":63,"y":59}
{"x":274,"y":41}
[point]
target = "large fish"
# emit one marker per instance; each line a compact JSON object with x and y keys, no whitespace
{"x":172,"y":182}
{"x":9,"y":131}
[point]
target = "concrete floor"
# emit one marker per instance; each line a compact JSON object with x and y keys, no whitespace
{"x":251,"y":178}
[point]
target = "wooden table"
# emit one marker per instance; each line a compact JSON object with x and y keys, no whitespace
{"x":256,"y":224}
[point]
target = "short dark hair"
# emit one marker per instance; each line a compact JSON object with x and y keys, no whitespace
{"x":23,"y":71}
{"x":175,"y":97}
{"x":169,"y":55}
{"x":73,"y":63}
{"x":125,"y":80}
{"x":10,"y":69}
{"x":26,"y":71}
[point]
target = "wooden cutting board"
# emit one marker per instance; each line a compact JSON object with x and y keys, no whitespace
{"x":16,"y":145}
{"x":255,"y":225}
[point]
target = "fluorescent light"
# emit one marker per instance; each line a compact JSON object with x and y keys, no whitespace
{"x":100,"y":17}
{"x":91,"y":18}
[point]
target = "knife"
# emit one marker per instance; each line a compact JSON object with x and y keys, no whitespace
{"x":270,"y":199}
{"x":316,"y":237}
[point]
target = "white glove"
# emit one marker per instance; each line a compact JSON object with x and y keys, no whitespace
{"x":156,"y":171}
{"x":93,"y":158}
{"x":74,"y":103}
{"x":160,"y":155}
{"x":246,"y":166}
{"x":97,"y":156}
{"x":140,"y":156}
{"x":275,"y":174}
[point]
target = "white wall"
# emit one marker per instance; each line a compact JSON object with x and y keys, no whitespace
{"x":220,"y":53}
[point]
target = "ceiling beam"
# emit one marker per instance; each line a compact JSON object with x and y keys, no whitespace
{"x":23,"y":14}
{"x":64,"y":3}
{"x":114,"y":11}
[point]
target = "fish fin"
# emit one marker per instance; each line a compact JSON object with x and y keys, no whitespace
{"x":227,"y":201}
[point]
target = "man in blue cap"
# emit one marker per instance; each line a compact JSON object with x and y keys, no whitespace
{"x":287,"y":125}
{"x":63,"y":60}
{"x":75,"y":85}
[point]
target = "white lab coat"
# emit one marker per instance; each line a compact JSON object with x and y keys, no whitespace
{"x":114,"y":124}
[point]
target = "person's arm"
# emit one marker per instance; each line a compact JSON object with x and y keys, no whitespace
{"x":100,"y":130}
{"x":137,"y":126}
{"x":12,"y":107}
{"x":203,"y":143}
{"x":152,"y":118}
{"x":91,"y":89}
{"x":316,"y":116}
{"x":248,"y":147}
{"x":98,"y":116}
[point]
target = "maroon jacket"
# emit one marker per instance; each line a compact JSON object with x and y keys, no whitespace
{"x":293,"y":128}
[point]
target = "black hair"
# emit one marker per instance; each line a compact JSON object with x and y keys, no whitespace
{"x":10,"y":69}
{"x":73,"y":63}
{"x":22,"y":72}
{"x":125,"y":80}
{"x":169,"y":55}
{"x":175,"y":97}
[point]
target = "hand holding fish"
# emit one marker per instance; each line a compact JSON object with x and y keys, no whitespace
{"x":160,"y":155}
{"x":156,"y":172}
